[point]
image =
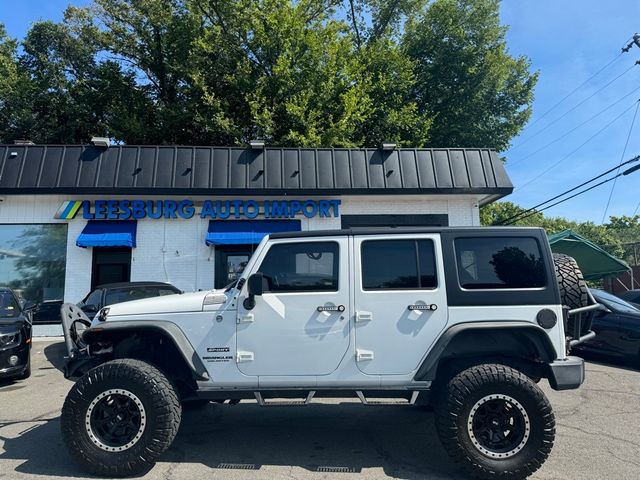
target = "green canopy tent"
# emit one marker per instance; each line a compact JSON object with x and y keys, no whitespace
{"x":594,"y":262}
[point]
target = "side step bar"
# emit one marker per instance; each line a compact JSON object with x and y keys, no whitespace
{"x":263,"y":402}
{"x":283,"y":403}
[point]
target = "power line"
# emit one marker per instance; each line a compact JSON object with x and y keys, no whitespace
{"x":575,"y":128}
{"x":634,"y":159}
{"x":626,"y":172}
{"x":571,"y":109}
{"x":575,"y":90}
{"x":627,"y":45}
{"x":578,"y":148}
{"x":624,"y":151}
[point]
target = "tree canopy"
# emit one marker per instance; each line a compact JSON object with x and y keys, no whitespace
{"x":619,"y":237}
{"x":295,"y":73}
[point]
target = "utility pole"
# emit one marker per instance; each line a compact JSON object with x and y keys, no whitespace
{"x":635,"y":40}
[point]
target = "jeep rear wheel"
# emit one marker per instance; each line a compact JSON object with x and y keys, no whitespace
{"x":120,"y":417}
{"x":495,"y":422}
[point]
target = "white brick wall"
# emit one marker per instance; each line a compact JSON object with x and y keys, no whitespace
{"x":174,"y":250}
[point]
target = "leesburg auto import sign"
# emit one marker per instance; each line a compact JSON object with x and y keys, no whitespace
{"x":220,"y":209}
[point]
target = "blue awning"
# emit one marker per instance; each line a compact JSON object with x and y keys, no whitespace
{"x":246,"y":232}
{"x":108,"y":233}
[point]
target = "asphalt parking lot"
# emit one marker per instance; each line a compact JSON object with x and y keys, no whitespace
{"x":597,"y":435}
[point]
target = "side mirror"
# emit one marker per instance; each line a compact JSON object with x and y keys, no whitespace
{"x":255,"y":284}
{"x":254,"y":287}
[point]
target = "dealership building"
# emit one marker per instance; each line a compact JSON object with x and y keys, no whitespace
{"x":76,"y":216}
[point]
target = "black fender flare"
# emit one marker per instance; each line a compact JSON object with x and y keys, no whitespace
{"x":168,"y":329}
{"x":534,"y":333}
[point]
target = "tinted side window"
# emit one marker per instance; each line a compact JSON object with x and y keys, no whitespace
{"x":301,"y":267}
{"x":398,"y":265}
{"x":499,"y":262}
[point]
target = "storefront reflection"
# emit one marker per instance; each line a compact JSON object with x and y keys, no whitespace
{"x":33,"y":261}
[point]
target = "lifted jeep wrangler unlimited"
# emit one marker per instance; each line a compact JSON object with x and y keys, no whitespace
{"x":464,"y":319}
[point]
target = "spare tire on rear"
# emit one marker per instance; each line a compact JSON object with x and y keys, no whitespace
{"x":574,"y":292}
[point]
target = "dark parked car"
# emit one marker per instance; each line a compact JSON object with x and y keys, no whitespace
{"x":15,"y":337}
{"x":111,"y":293}
{"x":631,"y":296}
{"x":617,"y":328}
{"x":47,"y":312}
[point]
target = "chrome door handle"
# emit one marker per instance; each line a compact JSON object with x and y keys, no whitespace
{"x":330,"y":308}
{"x":432,"y":307}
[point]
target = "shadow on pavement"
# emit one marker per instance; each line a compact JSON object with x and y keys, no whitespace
{"x":345,"y":438}
{"x":40,"y":446}
{"x":55,"y":354}
{"x":614,"y":362}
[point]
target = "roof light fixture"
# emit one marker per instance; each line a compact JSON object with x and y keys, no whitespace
{"x":100,"y":142}
{"x":256,"y":144}
{"x":388,"y":146}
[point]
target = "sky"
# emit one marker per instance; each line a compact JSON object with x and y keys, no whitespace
{"x":567,"y":42}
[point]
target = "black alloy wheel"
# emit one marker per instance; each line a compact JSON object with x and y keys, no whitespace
{"x":499,"y":426}
{"x":116,"y":420}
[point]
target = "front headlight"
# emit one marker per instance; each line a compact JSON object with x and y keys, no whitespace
{"x":9,"y":339}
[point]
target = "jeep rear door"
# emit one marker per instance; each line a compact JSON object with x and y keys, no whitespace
{"x":300,"y":324}
{"x":400,"y":301}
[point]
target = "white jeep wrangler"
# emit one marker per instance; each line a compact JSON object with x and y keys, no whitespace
{"x":464,"y":319}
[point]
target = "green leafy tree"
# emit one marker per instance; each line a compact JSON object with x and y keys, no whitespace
{"x":476,"y":92}
{"x":296,"y":73}
{"x":14,"y":90}
{"x":606,"y":236}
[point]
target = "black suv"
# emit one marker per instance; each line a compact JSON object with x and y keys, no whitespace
{"x":110,"y":293}
{"x":15,"y":337}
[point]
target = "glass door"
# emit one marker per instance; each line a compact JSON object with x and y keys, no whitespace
{"x":230,"y":263}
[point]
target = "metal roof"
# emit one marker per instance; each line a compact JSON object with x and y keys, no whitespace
{"x":162,"y":170}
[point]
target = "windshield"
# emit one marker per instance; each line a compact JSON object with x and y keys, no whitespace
{"x":8,"y":306}
{"x":613,"y":302}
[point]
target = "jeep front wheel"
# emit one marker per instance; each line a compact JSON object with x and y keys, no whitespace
{"x":496,"y":422}
{"x":120,"y":417}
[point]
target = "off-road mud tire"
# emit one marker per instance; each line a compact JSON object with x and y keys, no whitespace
{"x":454,"y":411}
{"x":162,"y":411}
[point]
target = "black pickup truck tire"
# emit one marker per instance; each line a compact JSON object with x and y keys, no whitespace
{"x":574,"y":292}
{"x":120,"y":417}
{"x":495,"y":422}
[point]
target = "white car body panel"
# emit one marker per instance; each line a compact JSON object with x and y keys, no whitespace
{"x":395,"y":336}
{"x":284,"y":342}
{"x":182,"y":302}
{"x":286,"y":333}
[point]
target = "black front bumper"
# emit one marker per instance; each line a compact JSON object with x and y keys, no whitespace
{"x":566,"y":374}
{"x":22,"y":351}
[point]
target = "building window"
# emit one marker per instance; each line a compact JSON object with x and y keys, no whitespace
{"x":499,"y":263}
{"x":301,"y":267}
{"x":398,"y":265}
{"x":33,"y":260}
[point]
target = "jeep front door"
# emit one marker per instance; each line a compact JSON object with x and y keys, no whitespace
{"x":300,"y":324}
{"x":400,"y":301}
